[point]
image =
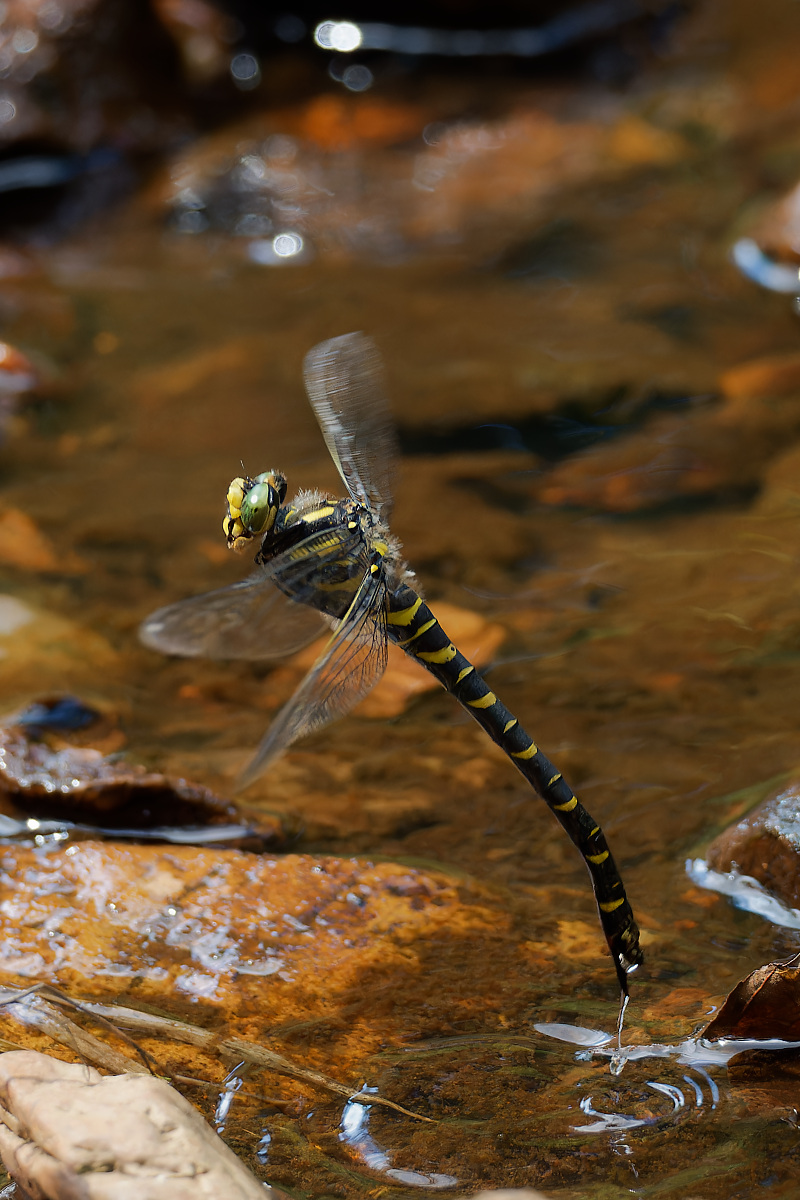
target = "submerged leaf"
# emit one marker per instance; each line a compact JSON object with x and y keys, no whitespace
{"x":46,"y":780}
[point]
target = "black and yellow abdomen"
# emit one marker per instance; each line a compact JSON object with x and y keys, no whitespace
{"x":413,"y":627}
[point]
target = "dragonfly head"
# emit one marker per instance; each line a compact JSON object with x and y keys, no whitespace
{"x":252,"y":506}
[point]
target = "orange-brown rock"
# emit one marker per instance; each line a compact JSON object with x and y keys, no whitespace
{"x":23,"y":545}
{"x":775,"y":375}
{"x":243,"y":934}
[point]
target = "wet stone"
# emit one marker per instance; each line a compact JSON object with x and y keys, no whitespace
{"x":180,"y":925}
{"x":766,"y":845}
{"x":403,"y":976}
{"x":721,"y":451}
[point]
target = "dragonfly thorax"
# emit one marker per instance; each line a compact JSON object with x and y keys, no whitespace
{"x":319,"y":549}
{"x":252,"y":507}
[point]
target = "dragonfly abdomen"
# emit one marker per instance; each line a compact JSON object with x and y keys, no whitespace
{"x":413,"y":626}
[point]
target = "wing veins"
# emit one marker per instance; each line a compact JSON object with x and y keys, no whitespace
{"x":359,"y":639}
{"x":344,"y":382}
{"x":254,"y":618}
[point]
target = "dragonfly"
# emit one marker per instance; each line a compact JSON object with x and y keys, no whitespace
{"x":321,"y":559}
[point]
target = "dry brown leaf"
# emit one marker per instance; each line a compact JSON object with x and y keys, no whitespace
{"x":44,"y":775}
{"x":766,"y":1004}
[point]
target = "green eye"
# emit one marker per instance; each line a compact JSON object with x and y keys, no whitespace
{"x":258,"y":508}
{"x":278,"y":482}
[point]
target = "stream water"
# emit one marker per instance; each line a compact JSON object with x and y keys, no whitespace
{"x":552,"y":290}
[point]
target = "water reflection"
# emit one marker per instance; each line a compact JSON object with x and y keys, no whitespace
{"x":614,"y":1122}
{"x":576,"y":24}
{"x":745,"y":892}
{"x":754,"y":263}
{"x":230,"y":1086}
{"x":342,"y":36}
{"x":696,"y":1053}
{"x":355,"y":1134}
{"x":284,"y":247}
{"x":245,"y":71}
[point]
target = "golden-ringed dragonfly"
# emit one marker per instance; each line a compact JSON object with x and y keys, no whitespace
{"x":335,"y":560}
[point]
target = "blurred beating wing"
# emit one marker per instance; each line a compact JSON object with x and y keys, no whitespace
{"x":351,"y":664}
{"x":344,"y":381}
{"x":253,"y":619}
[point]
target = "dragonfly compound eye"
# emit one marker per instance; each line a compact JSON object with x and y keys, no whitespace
{"x":277,"y":480}
{"x":260,"y":508}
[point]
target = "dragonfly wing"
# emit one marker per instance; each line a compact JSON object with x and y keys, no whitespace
{"x":251,"y":619}
{"x":254,"y":619}
{"x":344,"y":381}
{"x":349,"y":667}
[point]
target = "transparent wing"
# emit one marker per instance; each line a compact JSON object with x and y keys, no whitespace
{"x":254,"y":619}
{"x":351,"y":664}
{"x":251,"y":619}
{"x":344,"y":381}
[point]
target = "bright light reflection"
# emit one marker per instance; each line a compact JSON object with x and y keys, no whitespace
{"x":25,"y":40}
{"x":754,"y":263}
{"x":342,"y":36}
{"x":286,"y":245}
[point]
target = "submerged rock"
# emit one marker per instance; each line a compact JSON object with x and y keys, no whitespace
{"x":212,"y":925}
{"x":774,"y":375}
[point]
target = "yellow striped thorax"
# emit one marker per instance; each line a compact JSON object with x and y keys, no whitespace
{"x":325,"y":547}
{"x":252,"y":507}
